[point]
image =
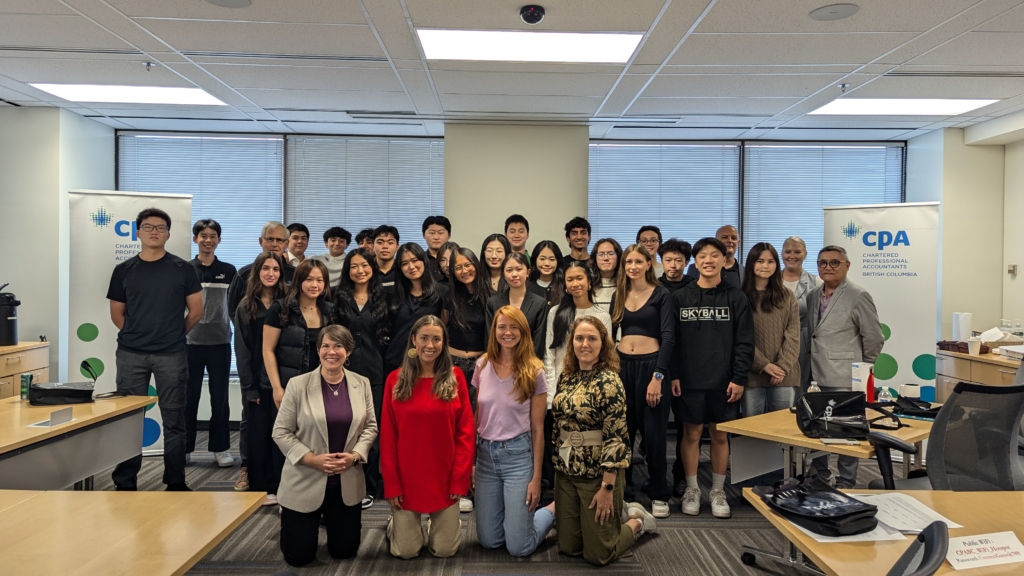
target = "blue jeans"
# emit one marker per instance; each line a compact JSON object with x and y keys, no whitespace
{"x":503,"y":472}
{"x":759,"y":400}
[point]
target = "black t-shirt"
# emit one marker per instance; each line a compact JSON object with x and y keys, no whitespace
{"x":568,"y":259}
{"x":387,"y":279}
{"x":473,"y":339}
{"x":154,"y":296}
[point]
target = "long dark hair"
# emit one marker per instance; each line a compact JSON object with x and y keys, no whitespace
{"x":302,"y":271}
{"x":618,"y":256}
{"x":458,"y":296}
{"x":254,"y":286}
{"x":403,"y":286}
{"x":378,"y":300}
{"x":775,"y":292}
{"x":557,"y":287}
{"x":565,"y":315}
{"x":500,"y":238}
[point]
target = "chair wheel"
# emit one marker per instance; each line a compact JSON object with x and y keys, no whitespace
{"x":748,"y":558}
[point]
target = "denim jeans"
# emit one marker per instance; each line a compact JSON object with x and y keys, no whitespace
{"x":503,"y":471}
{"x":759,"y":400}
{"x":170,"y":372}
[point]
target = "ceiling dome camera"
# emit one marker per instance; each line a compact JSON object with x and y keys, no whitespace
{"x":532,"y":14}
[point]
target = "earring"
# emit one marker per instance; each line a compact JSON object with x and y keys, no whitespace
{"x":411,"y":353}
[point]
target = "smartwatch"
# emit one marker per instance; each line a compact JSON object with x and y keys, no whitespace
{"x":608,"y":486}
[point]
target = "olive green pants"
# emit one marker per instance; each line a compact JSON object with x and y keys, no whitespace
{"x":578,"y":532}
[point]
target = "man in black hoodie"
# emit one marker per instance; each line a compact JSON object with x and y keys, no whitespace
{"x":715,"y":350}
{"x":675,"y":254}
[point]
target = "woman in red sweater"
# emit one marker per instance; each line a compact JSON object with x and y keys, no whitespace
{"x":427,"y":439}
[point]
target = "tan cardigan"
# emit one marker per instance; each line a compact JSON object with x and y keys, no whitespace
{"x":776,"y":341}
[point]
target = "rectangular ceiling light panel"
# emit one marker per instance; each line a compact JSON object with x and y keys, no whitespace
{"x":130,"y":94}
{"x":900,"y":107}
{"x":520,"y":46}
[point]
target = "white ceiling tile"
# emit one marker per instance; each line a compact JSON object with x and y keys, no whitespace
{"x":679,"y":18}
{"x":33,"y":7}
{"x":683,"y":106}
{"x":330,"y":100}
{"x":725,"y":85}
{"x":417,"y":85}
{"x":358,"y":128}
{"x":79,"y":71}
{"x":566,"y":15}
{"x":793,"y":16}
{"x":828,"y":134}
{"x":788,"y":49}
{"x":389,"y":20}
{"x":116,"y":124}
{"x":518,"y":83}
{"x":55,"y":31}
{"x":979,"y":49}
{"x":266,"y":38}
{"x":296,"y":11}
{"x":167,"y":112}
{"x":1012,"y":21}
{"x":670,"y":133}
{"x":942,"y":87}
{"x":198,"y":125}
{"x":572,"y":105}
{"x":307,"y":77}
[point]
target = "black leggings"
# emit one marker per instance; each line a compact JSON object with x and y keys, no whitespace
{"x":265,"y":458}
{"x":300,"y":530}
{"x":652,"y":423}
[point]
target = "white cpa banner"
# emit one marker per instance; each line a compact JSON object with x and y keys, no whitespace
{"x":893,"y":250}
{"x":103,"y":234}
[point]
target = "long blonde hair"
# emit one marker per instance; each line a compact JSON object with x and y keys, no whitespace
{"x":444,"y":376}
{"x":525,"y":364}
{"x":622,"y":281}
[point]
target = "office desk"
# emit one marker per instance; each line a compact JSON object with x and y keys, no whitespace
{"x":780,"y":427}
{"x":112,"y":533}
{"x":979,"y":512}
{"x":101,"y":435}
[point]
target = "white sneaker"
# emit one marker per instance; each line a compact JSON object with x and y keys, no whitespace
{"x":224,"y":459}
{"x":647,"y":523}
{"x":659,"y":509}
{"x":691,"y":501}
{"x":719,"y":504}
{"x":465,"y":505}
{"x":271,"y":500}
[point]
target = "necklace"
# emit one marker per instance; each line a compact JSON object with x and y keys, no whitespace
{"x":333,"y":389}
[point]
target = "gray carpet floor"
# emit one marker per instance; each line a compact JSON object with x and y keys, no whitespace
{"x":682,"y":545}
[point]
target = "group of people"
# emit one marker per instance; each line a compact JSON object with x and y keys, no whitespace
{"x":441,"y":380}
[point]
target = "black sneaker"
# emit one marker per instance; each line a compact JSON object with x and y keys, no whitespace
{"x":367,"y":502}
{"x":178,"y":487}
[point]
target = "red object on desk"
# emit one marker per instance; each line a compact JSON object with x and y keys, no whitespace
{"x":871,"y":386}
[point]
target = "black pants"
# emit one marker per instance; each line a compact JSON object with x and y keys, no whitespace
{"x":636,"y":372}
{"x":243,"y":433}
{"x":216,"y":360}
{"x":548,"y":466}
{"x":265,"y":458}
{"x":371,"y":470}
{"x":300,"y":530}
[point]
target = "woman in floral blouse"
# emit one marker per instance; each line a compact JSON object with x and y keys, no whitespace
{"x":590,"y":452}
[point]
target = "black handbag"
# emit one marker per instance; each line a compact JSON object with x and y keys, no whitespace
{"x":60,"y":393}
{"x":816,"y":506}
{"x":833,"y":414}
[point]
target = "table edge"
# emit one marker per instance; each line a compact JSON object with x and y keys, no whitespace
{"x":74,"y":425}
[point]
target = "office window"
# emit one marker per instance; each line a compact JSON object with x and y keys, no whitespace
{"x":359,"y":183}
{"x":787,"y":185}
{"x":236,"y":180}
{"x":687,"y":190}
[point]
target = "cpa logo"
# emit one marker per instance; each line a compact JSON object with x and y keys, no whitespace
{"x":851,"y":230}
{"x":101,"y":218}
{"x":873,"y":238}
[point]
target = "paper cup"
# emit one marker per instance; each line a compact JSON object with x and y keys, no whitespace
{"x":974,"y":346}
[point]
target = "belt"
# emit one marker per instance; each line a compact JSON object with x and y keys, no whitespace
{"x":577,"y":439}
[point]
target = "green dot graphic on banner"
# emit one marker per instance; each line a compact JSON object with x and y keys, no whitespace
{"x":88,"y":332}
{"x":97,"y":366}
{"x":886,"y":332}
{"x":886,"y":367}
{"x":152,"y":392}
{"x":924,"y":366}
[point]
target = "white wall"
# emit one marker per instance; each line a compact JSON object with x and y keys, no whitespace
{"x":493,"y":171}
{"x":1013,"y":232}
{"x":44,"y":152}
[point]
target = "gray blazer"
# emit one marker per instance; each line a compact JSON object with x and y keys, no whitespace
{"x":848,"y":331}
{"x":301,"y":427}
{"x":804,"y":286}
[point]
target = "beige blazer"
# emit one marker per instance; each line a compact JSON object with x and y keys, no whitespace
{"x":301,"y":427}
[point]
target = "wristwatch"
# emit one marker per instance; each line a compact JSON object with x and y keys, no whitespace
{"x":659,"y":375}
{"x":355,"y":458}
{"x":608,"y":486}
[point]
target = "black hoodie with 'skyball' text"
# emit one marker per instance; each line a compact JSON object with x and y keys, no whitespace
{"x":714,"y":337}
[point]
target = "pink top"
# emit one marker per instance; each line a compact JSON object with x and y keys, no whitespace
{"x":499,"y":415}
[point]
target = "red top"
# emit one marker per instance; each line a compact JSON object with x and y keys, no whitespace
{"x":426,"y":445}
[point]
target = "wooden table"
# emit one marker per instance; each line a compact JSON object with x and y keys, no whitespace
{"x":979,"y":512}
{"x":780,"y":427}
{"x":102,"y":434}
{"x":988,"y":369}
{"x":112,"y":533}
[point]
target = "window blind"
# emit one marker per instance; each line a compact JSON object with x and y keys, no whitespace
{"x":687,"y":190}
{"x":236,"y":180}
{"x":786,"y":187}
{"x":360,"y":183}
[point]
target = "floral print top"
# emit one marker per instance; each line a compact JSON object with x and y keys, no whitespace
{"x":591,"y":400}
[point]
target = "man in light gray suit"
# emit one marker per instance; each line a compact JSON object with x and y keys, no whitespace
{"x":844,"y":329}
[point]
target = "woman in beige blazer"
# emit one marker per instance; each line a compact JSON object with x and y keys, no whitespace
{"x":325,"y":428}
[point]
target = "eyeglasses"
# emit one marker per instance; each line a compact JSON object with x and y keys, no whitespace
{"x":152,"y":228}
{"x":606,"y":254}
{"x":467,"y":267}
{"x":834,"y":264}
{"x":275,"y":240}
{"x":649,"y":241}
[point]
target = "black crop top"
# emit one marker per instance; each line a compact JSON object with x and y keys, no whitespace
{"x":654,"y":319}
{"x":475,"y":338}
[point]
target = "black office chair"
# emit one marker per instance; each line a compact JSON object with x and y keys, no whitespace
{"x":926,"y":553}
{"x":973,"y":443}
{"x":884,"y":444}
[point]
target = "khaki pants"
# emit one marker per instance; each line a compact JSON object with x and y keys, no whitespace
{"x":578,"y":533}
{"x":444,"y":532}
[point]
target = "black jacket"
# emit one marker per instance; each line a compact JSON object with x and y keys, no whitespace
{"x":367,"y":358}
{"x":407,"y":314}
{"x":673,"y":286}
{"x":236,"y":291}
{"x":714,"y":337}
{"x":294,"y":347}
{"x":534,"y":307}
{"x":249,"y":351}
{"x":733,"y":276}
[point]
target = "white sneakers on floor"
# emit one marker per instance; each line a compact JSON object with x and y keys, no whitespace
{"x":691,"y":501}
{"x":224,"y":459}
{"x":648,"y":525}
{"x":271,"y":500}
{"x":465,"y":505}
{"x":719,"y":504}
{"x":659,"y":509}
